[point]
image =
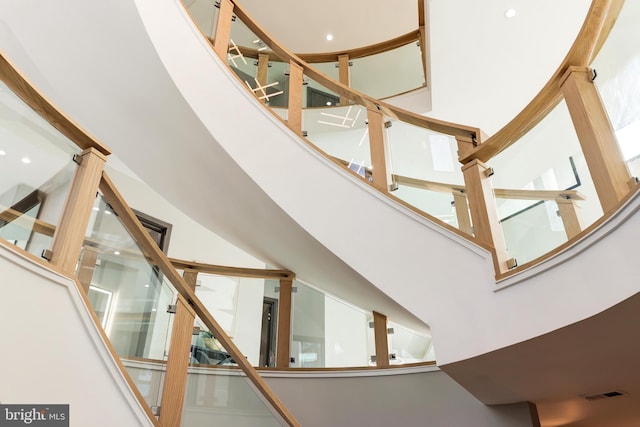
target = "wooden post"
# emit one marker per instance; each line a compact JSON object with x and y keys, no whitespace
{"x":380,"y":153}
{"x":570,"y":214}
{"x":381,"y":339}
{"x":344,"y":75}
{"x":175,"y":377}
{"x":484,"y":212}
{"x":223,"y":29}
{"x":597,"y":138}
{"x":294,"y":111}
{"x":462,"y":212}
{"x":69,"y":235}
{"x":87,"y":266}
{"x":283,"y":350}
{"x":262,"y":73}
{"x":423,"y":51}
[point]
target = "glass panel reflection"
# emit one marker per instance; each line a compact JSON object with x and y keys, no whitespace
{"x":36,"y":169}
{"x":426,"y":169}
{"x":548,"y":157}
{"x":130,"y":297}
{"x":389,"y":73}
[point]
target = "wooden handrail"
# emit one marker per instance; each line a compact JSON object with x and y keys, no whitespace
{"x":41,"y":104}
{"x":224,"y":270}
{"x":346,"y":92}
{"x":360,"y":52}
{"x":597,"y":26}
{"x":144,"y":241}
{"x":8,"y":215}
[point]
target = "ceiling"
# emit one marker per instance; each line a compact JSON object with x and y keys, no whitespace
{"x":302,"y":26}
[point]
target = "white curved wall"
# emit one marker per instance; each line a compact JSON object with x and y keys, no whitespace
{"x":52,"y":350}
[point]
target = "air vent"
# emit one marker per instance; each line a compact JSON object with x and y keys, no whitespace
{"x":598,"y":396}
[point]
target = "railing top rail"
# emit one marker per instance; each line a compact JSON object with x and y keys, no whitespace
{"x":469,"y":132}
{"x":599,"y":21}
{"x":232,"y":271}
{"x":41,"y":104}
{"x":321,"y":57}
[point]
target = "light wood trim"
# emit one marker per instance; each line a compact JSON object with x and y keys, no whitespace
{"x":231,"y":271}
{"x":140,"y":235}
{"x":41,"y":105}
{"x":96,"y":321}
{"x":223,"y":29}
{"x":87,"y":266}
{"x":175,"y":378}
{"x":501,"y":193}
{"x":381,"y":338}
{"x":484,"y":212}
{"x":361,"y":52}
{"x":356,"y":97}
{"x":190,"y":278}
{"x":283,"y":346}
{"x":262,"y":71}
{"x":570,"y":213}
{"x":380,"y":154}
{"x":294,"y":111}
{"x":39,"y":226}
{"x":352,"y":368}
{"x":344,"y":74}
{"x":597,"y":138}
{"x":596,"y":27}
{"x":462,"y":212}
{"x":424,"y":52}
{"x":69,"y":235}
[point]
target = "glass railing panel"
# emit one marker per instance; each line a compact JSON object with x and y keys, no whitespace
{"x":224,"y":396}
{"x":244,"y":47}
{"x":618,"y":66}
{"x":130,"y":298}
{"x":326,"y":332}
{"x":389,"y":73}
{"x":426,"y":168}
{"x":205,"y":15}
{"x":548,"y":157}
{"x":340,"y":132}
{"x":328,"y":68}
{"x":217,"y":392}
{"x":408,"y":346}
{"x":36,"y":169}
{"x":236,"y":304}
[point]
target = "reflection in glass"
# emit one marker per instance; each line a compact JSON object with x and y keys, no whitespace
{"x":389,"y":73}
{"x":341,"y":132}
{"x":130,"y":297}
{"x":36,"y":170}
{"x":548,"y":157}
{"x":224,"y":397}
{"x":426,"y":168}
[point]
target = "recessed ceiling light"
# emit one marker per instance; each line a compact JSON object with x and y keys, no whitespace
{"x":26,"y":160}
{"x":329,"y":103}
{"x":329,"y":37}
{"x":3,"y":153}
{"x":116,"y":252}
{"x":510,"y":13}
{"x":95,"y":208}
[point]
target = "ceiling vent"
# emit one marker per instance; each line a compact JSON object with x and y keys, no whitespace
{"x":609,"y":394}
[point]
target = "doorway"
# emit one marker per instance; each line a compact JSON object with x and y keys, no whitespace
{"x":268,"y":335}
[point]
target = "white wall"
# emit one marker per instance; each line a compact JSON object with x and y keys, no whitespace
{"x":52,"y":351}
{"x":408,"y":399}
{"x":486,"y":68}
